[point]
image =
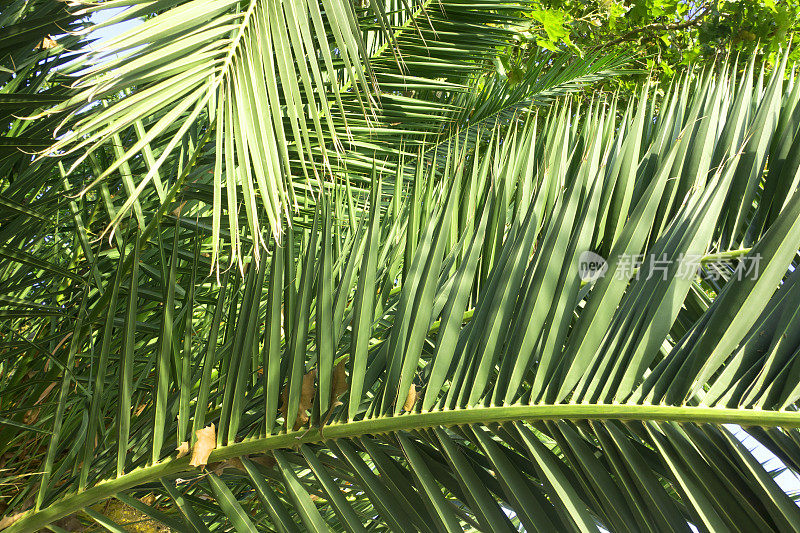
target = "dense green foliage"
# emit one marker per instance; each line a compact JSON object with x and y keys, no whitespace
{"x":666,"y":35}
{"x":339,"y":247}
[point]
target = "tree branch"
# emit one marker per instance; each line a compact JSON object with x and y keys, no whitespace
{"x":658,"y":26}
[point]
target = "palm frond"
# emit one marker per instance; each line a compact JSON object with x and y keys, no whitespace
{"x":436,"y":360}
{"x":256,"y":109}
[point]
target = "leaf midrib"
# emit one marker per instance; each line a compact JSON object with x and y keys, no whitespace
{"x":475,"y":415}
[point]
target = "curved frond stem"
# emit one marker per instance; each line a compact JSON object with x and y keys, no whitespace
{"x":408,"y":422}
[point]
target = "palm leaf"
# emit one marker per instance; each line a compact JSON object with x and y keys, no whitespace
{"x":274,"y":103}
{"x":488,"y":386}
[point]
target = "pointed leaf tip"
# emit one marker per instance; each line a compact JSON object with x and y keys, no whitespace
{"x":411,"y":398}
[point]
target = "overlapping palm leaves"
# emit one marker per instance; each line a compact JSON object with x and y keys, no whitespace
{"x":29,"y":76}
{"x":487,"y":386}
{"x":285,"y":96}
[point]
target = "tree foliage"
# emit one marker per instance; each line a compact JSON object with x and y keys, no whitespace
{"x":317,"y":265}
{"x":666,"y":36}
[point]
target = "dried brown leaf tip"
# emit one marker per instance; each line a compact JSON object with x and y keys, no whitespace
{"x":284,"y":401}
{"x":340,"y":385}
{"x":411,"y":398}
{"x":306,"y":399}
{"x":183,"y":449}
{"x":206,"y":441}
{"x":47,"y":43}
{"x":10,"y":519}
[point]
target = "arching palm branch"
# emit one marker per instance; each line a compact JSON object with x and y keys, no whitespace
{"x":278,"y":99}
{"x":429,"y":357}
